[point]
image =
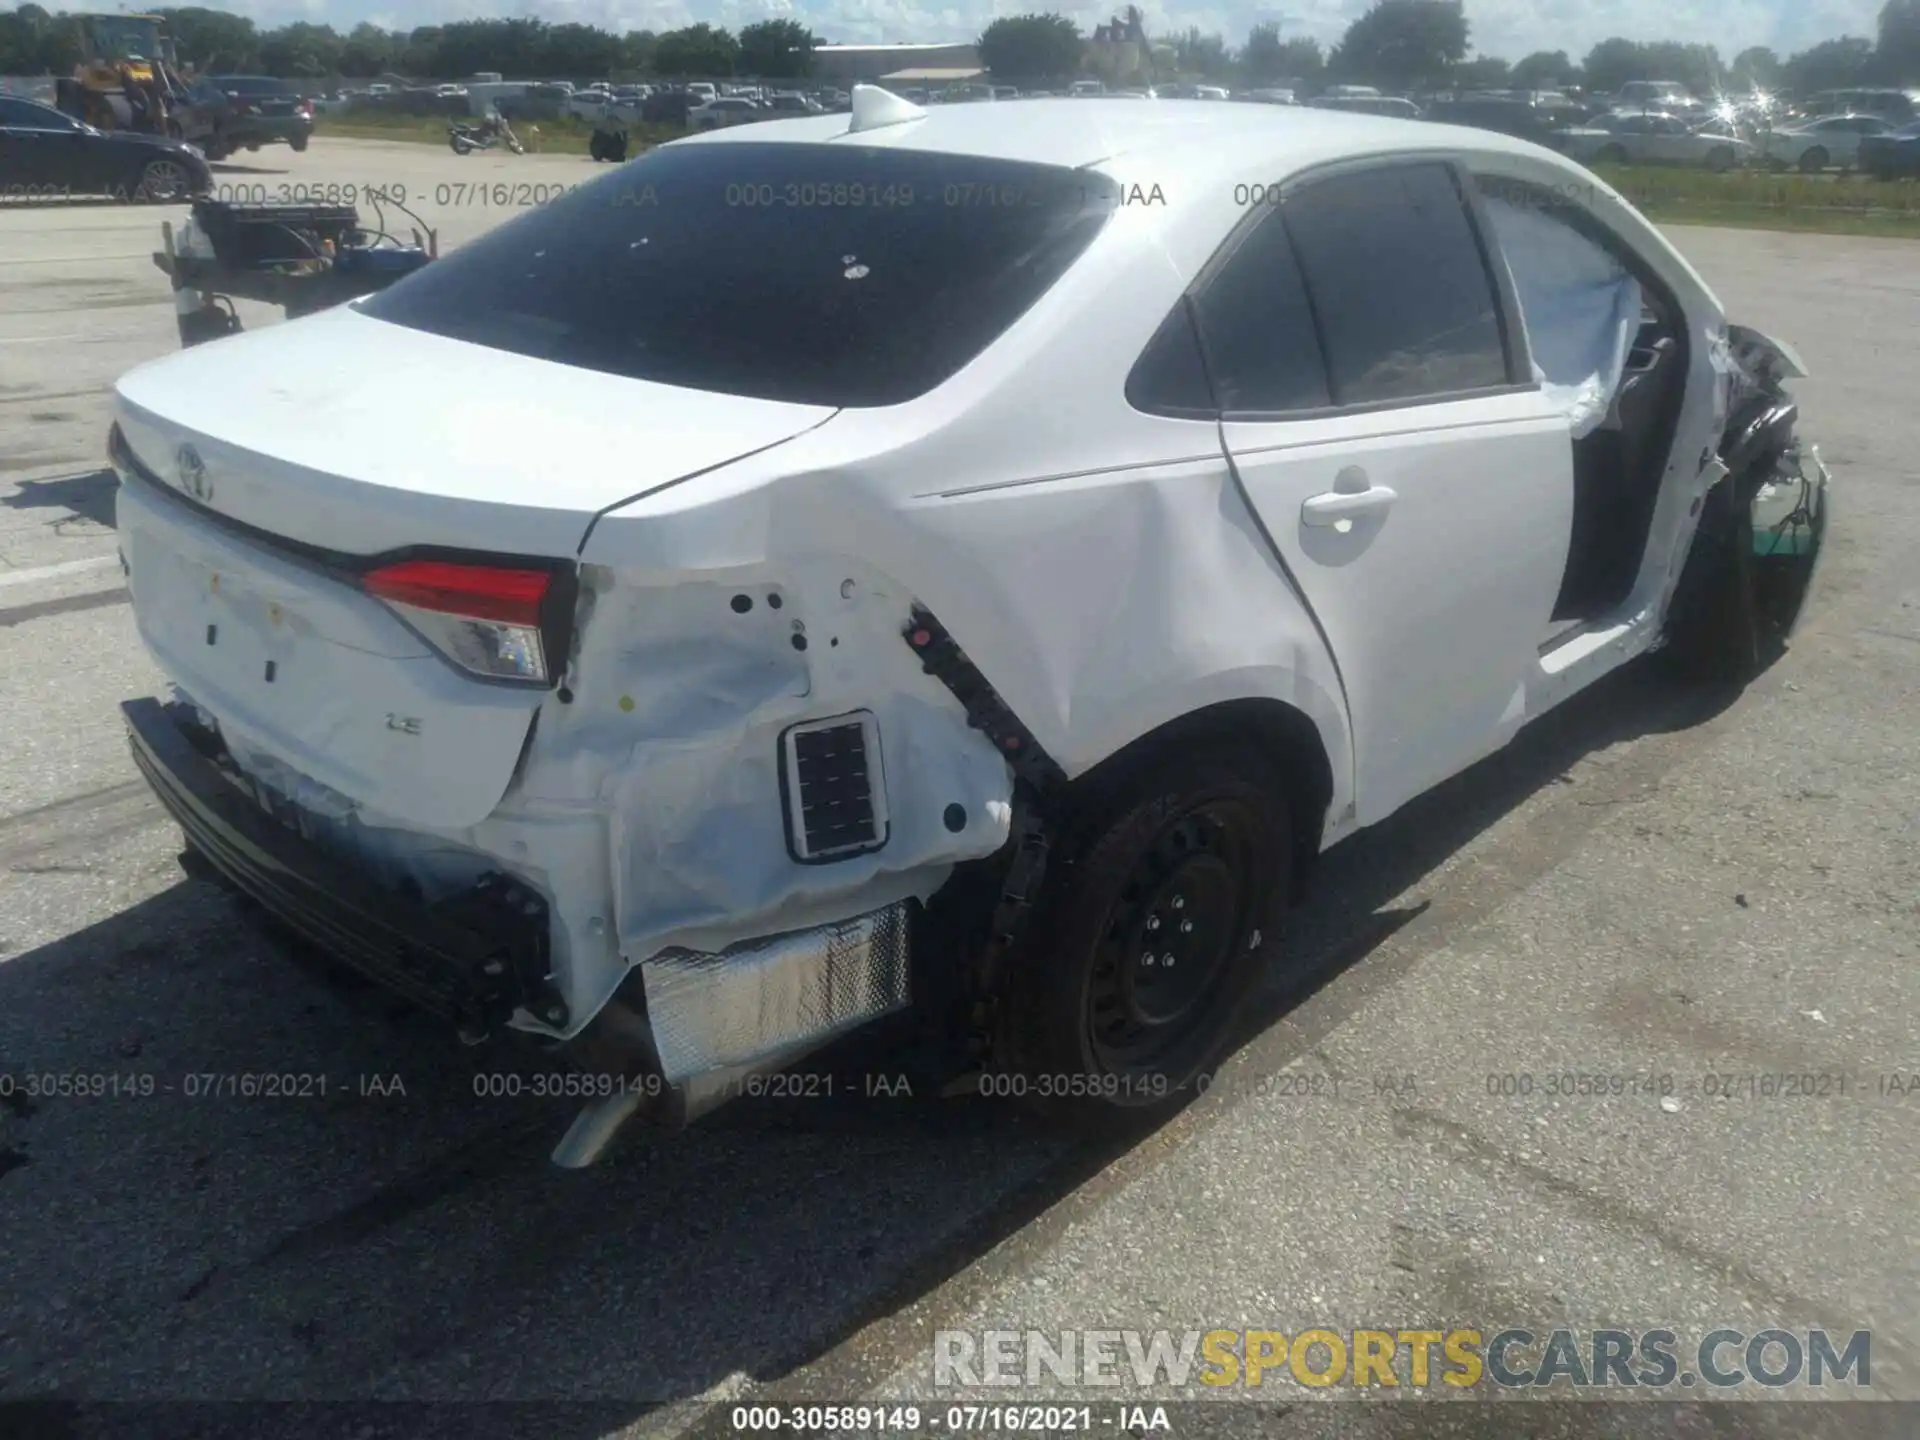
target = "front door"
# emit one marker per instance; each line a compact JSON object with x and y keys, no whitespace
{"x":1380,"y":413}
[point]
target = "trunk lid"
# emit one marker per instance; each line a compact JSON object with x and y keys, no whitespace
{"x":256,"y":470}
{"x":357,"y":435}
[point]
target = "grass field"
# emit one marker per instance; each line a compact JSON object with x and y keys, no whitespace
{"x":1755,"y":200}
{"x":1743,"y":199}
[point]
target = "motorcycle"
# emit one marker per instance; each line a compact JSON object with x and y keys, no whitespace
{"x":464,"y":139}
{"x":608,"y":142}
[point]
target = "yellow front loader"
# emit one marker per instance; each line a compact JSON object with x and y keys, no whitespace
{"x":128,"y":77}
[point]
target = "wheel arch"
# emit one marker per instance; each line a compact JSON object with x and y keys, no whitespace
{"x":1286,"y":733}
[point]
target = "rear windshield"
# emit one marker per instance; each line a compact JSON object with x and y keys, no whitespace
{"x":253,"y":85}
{"x":818,"y":274}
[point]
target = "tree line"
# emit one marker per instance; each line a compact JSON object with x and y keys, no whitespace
{"x":34,"y":41}
{"x":1397,"y":44}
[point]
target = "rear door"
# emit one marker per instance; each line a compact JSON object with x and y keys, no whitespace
{"x":1379,"y":411}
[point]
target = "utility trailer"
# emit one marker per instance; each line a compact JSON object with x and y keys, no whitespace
{"x":302,"y":257}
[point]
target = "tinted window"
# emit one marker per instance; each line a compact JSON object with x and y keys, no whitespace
{"x":25,"y":115}
{"x":1258,"y":328}
{"x":820,"y":274}
{"x":1170,"y":377}
{"x":1400,"y":287}
{"x":253,"y":85}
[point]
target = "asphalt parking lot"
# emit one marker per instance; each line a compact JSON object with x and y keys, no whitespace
{"x":1649,"y":883}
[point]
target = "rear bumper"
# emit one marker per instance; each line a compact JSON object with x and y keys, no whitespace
{"x":475,"y":969}
{"x":714,"y":1018}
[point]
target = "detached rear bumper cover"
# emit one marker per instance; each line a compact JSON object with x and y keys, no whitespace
{"x":467,"y":975}
{"x":752,"y":1008}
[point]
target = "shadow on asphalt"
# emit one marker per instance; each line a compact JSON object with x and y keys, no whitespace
{"x":418,"y":1246}
{"x":88,"y":494}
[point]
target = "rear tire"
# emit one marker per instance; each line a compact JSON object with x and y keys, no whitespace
{"x":1612,"y":155}
{"x":299,"y":144}
{"x":1183,"y":856}
{"x":1814,"y":161}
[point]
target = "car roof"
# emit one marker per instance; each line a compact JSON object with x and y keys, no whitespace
{"x":1182,"y":134}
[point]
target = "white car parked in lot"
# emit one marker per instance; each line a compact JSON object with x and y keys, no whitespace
{"x":725,"y":111}
{"x":1653,"y":139}
{"x":1813,"y":145}
{"x":968,"y":567}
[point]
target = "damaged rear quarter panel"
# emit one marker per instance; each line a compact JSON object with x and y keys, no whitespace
{"x":1097,"y":564}
{"x":681,"y":689}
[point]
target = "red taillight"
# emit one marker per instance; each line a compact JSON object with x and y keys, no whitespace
{"x":479,"y":592}
{"x":306,"y":108}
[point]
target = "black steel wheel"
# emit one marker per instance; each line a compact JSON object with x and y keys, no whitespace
{"x":1167,"y":880}
{"x":1169,"y":935}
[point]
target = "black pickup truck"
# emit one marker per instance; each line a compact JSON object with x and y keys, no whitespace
{"x":244,"y":112}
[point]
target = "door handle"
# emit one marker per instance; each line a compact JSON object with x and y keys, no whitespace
{"x":1352,"y":498}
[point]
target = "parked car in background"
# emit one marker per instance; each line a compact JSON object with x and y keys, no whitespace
{"x":1651,"y":139}
{"x":1268,"y":97}
{"x":1893,"y":155}
{"x":1664,"y":95}
{"x":46,"y":152}
{"x":1083,"y":89}
{"x":726,"y":110}
{"x":1525,"y":119}
{"x":1896,"y":105}
{"x":791,"y":102}
{"x":1396,"y":107}
{"x":669,"y":107}
{"x":1813,"y":145}
{"x":588,"y":104}
{"x":249,"y":111}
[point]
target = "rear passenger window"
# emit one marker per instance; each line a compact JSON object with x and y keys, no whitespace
{"x":1406,"y":304}
{"x":1257,"y":328}
{"x":1170,"y":378}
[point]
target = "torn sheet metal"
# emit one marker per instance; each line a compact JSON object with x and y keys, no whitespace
{"x":1581,"y":307}
{"x":760,"y":1001}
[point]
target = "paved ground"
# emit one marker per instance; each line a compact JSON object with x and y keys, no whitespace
{"x":1643,"y":886}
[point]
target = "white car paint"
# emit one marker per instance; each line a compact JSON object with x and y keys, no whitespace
{"x":1109,"y":570}
{"x":1651,"y":138}
{"x":1838,"y":136}
{"x":725,"y":112}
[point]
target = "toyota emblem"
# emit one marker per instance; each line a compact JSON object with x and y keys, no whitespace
{"x":193,"y":473}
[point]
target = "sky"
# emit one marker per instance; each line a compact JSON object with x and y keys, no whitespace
{"x":1507,"y":28}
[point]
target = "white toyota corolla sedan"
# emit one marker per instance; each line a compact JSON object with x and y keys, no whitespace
{"x":958,"y":564}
